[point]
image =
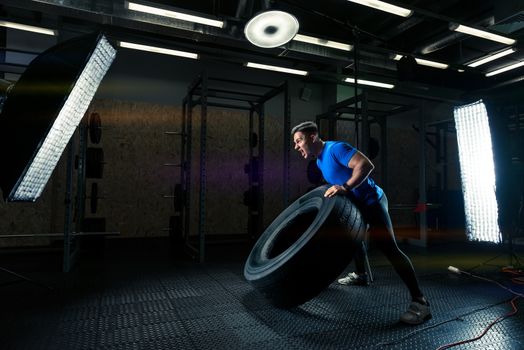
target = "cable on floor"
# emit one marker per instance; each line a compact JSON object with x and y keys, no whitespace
{"x":459,"y":318}
{"x":500,"y":318}
{"x":517,"y":275}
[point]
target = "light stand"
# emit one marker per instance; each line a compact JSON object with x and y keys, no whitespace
{"x":518,"y":230}
{"x":510,"y":186}
{"x":41,"y":112}
{"x":21,"y":277}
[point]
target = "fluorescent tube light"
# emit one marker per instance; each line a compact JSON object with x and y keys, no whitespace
{"x":425,"y":62}
{"x":477,"y":171}
{"x":505,"y":69}
{"x":431,"y":63}
{"x":276,"y":68}
{"x":492,"y":57}
{"x":158,"y":50}
{"x":172,"y":14}
{"x":384,"y":6}
{"x":370,"y":83}
{"x":481,"y":33}
{"x":28,"y":28}
{"x":322,"y":42}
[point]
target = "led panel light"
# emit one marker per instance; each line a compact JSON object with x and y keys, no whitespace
{"x":505,"y":69}
{"x":491,"y":57}
{"x":271,"y":29}
{"x":477,"y":171}
{"x":322,"y":42}
{"x":370,"y":83}
{"x":384,"y":6}
{"x":481,"y":33}
{"x":173,"y":14}
{"x":276,"y":68}
{"x":28,"y":28}
{"x":44,"y":108}
{"x":158,"y":50}
{"x":425,"y":62}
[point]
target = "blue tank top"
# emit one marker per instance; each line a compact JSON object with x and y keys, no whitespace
{"x":333,"y":162}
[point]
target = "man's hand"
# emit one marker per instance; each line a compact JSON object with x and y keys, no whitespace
{"x":334,"y":190}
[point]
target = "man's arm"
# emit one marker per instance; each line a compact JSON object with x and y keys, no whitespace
{"x":361,"y":166}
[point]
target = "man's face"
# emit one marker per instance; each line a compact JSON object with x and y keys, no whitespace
{"x":303,"y":144}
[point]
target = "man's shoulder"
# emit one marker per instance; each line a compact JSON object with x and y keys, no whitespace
{"x":337,"y":145}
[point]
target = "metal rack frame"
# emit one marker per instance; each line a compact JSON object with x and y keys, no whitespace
{"x":201,"y":93}
{"x":362,"y":115}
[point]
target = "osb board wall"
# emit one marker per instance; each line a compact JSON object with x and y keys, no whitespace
{"x":135,"y":181}
{"x":403,"y":174}
{"x":136,"y":147}
{"x":38,"y":218}
{"x":227,"y":153}
{"x":26,"y":218}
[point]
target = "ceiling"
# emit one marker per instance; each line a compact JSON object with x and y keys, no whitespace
{"x":377,"y":35}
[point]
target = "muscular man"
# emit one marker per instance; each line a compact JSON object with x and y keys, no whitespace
{"x":347,"y":171}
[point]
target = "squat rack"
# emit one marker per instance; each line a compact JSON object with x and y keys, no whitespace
{"x":362,"y":115}
{"x":201,"y":92}
{"x":365,"y":116}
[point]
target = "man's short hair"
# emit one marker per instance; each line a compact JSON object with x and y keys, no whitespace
{"x":305,"y":127}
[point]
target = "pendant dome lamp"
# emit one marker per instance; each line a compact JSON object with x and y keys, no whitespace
{"x":271,"y":28}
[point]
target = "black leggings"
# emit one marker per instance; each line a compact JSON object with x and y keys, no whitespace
{"x":381,"y":232}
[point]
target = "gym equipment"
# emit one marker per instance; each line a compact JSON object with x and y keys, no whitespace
{"x":305,"y":248}
{"x":94,"y":163}
{"x":95,"y":128}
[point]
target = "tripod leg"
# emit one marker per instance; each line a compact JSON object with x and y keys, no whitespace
{"x":25,"y":278}
{"x":514,"y":259}
{"x":366,"y":262}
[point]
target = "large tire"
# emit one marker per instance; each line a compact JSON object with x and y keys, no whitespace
{"x":305,"y":248}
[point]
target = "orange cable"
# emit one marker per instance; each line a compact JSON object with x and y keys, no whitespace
{"x":500,"y":318}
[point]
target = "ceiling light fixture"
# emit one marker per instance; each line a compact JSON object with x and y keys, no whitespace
{"x":491,"y":57}
{"x":370,"y":83}
{"x":158,"y":50}
{"x":28,"y":28}
{"x":425,"y":62}
{"x":276,"y":68}
{"x":173,"y":14}
{"x":271,"y":29}
{"x":384,"y":6}
{"x":322,"y":42}
{"x":481,"y":33}
{"x":505,"y":69}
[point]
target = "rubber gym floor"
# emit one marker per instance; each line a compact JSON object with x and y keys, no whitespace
{"x":134,"y":295}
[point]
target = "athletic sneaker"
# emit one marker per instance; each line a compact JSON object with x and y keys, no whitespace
{"x":354,"y":279}
{"x":416,"y":313}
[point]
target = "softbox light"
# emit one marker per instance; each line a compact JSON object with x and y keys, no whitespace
{"x":43,"y":109}
{"x":477,"y":172}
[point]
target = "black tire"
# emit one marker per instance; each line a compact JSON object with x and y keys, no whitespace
{"x":305,"y":248}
